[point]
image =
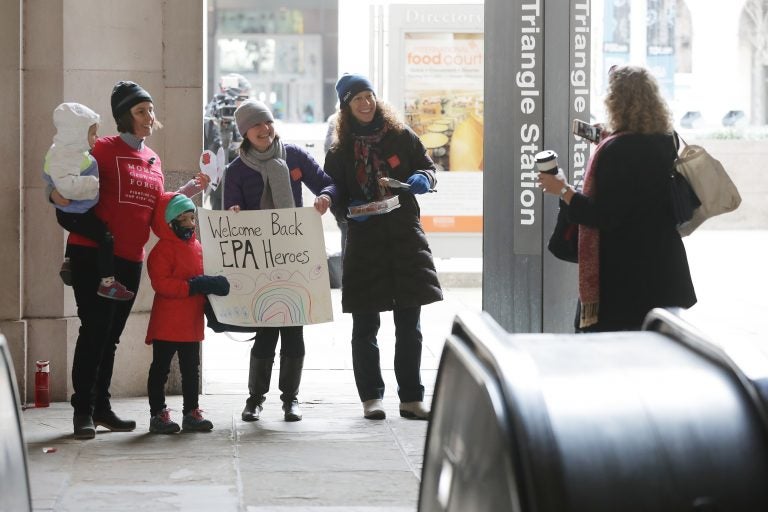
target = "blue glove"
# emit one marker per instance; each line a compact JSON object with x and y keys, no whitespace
{"x":419,"y":184}
{"x":361,"y":218}
{"x":214,"y":285}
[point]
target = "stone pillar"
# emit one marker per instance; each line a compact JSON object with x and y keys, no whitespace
{"x":536,"y":82}
{"x":10,"y":187}
{"x":71,"y":53}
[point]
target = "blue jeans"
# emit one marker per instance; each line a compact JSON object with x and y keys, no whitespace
{"x":365,"y":355}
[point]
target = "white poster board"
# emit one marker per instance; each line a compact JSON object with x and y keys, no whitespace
{"x":276,"y":264}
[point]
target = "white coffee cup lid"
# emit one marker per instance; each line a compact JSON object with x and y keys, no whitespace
{"x":546,"y":160}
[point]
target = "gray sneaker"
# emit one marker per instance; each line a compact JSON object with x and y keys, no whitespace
{"x":162,"y":423}
{"x":194,"y":421}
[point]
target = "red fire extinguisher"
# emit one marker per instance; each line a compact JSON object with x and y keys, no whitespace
{"x":42,"y":391}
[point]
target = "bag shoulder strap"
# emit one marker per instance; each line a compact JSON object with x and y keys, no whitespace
{"x":679,"y":138}
{"x":676,"y":138}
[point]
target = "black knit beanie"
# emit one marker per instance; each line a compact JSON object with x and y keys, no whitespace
{"x":349,"y":85}
{"x":125,"y":95}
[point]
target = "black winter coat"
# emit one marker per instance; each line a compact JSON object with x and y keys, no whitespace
{"x":643,"y":263}
{"x":387,"y":260}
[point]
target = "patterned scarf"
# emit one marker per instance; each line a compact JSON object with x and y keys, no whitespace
{"x":274,"y":171}
{"x":369,"y":164}
{"x":589,"y":251}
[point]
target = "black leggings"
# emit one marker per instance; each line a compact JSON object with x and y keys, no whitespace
{"x":265,"y":342}
{"x":101,"y":323}
{"x":90,"y":226}
{"x":189,"y":365}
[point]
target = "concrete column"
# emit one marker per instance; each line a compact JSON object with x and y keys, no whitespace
{"x":10,"y":186}
{"x":536,"y":82}
{"x":75,"y":50}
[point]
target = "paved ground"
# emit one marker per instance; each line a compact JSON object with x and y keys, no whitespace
{"x":333,"y":460}
{"x":728,"y":269}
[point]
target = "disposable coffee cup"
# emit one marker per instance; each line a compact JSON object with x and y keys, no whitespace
{"x":546,"y":161}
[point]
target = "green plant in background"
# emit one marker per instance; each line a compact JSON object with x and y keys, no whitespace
{"x":748,"y":133}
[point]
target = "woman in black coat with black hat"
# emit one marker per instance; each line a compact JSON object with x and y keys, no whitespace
{"x":387,"y":265}
{"x":131,"y":181}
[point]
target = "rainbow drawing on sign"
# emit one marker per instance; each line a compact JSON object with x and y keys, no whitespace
{"x":282,"y":303}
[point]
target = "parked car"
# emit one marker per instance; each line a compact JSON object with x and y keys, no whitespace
{"x":734,"y":118}
{"x":691,"y":119}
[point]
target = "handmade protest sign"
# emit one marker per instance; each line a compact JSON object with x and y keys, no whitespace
{"x":276,"y":264}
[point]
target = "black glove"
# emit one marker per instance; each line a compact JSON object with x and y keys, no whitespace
{"x":214,"y":285}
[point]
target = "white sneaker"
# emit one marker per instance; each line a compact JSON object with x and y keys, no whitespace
{"x":414,"y":410}
{"x":374,"y":409}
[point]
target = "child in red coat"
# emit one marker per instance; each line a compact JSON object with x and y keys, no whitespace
{"x":176,"y":324}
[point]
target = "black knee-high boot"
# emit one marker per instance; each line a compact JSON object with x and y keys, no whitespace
{"x":290,"y":379}
{"x":259,"y":375}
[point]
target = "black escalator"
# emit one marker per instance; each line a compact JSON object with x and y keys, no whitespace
{"x":658,"y":420}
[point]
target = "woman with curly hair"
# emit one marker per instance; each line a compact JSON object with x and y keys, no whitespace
{"x":387,"y":262}
{"x":631,"y":257}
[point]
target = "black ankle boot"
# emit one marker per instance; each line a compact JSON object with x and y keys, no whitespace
{"x":108,"y":419}
{"x":292,"y":411}
{"x":290,"y":379}
{"x":252,"y":409}
{"x":84,"y":428}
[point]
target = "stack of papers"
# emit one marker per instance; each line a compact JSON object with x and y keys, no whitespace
{"x":374,"y":208}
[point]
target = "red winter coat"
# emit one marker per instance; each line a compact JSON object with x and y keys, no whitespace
{"x":172,"y":262}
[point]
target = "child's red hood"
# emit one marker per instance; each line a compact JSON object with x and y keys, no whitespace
{"x":159,"y":226}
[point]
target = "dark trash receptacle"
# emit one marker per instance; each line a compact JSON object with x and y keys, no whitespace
{"x":658,"y":420}
{"x":14,"y":481}
{"x":334,"y":270}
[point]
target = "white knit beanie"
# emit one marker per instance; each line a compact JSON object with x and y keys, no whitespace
{"x":251,"y":113}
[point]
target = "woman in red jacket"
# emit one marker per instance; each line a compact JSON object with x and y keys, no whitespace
{"x":131,"y":181}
